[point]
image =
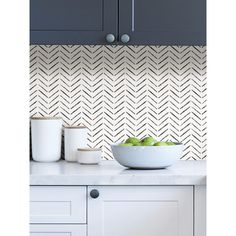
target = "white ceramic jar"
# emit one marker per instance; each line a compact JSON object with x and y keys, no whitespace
{"x":89,"y":156}
{"x":46,"y":136}
{"x":74,"y":137}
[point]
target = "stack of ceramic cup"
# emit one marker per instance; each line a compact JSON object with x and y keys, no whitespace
{"x":46,"y":142}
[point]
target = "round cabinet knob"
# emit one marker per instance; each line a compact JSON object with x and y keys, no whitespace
{"x":94,"y":193}
{"x":110,"y":38}
{"x":125,"y":38}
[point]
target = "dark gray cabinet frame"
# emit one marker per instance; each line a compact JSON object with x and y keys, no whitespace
{"x":147,"y":22}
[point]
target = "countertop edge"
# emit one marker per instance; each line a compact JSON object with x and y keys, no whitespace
{"x":112,"y":180}
{"x":110,"y":173}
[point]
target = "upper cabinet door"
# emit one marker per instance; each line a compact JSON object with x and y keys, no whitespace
{"x":140,"y":211}
{"x":162,"y":22}
{"x":73,"y":21}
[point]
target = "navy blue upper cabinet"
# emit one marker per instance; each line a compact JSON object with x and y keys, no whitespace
{"x":125,"y":22}
{"x":72,"y":21}
{"x":163,"y":22}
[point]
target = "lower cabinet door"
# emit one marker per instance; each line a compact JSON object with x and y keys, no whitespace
{"x":140,"y":211}
{"x":57,"y":230}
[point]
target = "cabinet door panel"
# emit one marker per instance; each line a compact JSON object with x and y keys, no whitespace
{"x":56,"y":15}
{"x":141,"y":211}
{"x":72,"y":21}
{"x":166,"y":22}
{"x":57,"y":204}
{"x":58,"y":230}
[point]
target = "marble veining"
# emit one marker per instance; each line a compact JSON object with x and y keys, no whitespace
{"x":111,"y":173}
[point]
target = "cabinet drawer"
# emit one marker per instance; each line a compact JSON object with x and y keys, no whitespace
{"x":58,"y":230}
{"x":57,"y":204}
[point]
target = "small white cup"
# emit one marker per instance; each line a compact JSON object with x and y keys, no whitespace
{"x":89,"y":156}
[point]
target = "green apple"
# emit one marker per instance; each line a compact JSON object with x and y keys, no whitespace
{"x":126,"y":144}
{"x":146,"y":144}
{"x":161,"y":144}
{"x":138,"y":144}
{"x":133,"y":140}
{"x":170,"y":143}
{"x":148,"y":141}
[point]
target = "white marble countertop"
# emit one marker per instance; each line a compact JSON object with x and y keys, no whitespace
{"x":111,"y":173}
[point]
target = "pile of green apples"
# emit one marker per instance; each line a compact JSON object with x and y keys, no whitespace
{"x":148,"y":141}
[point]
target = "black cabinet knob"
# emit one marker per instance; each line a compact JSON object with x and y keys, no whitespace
{"x":94,"y":193}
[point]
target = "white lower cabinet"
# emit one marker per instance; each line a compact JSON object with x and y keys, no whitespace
{"x":140,"y":211}
{"x":57,"y":230}
{"x":116,"y":211}
{"x":200,"y":211}
{"x":58,"y":204}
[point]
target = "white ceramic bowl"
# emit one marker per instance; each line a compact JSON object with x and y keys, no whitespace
{"x":147,"y":157}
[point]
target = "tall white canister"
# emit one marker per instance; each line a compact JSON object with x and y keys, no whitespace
{"x":75,"y":137}
{"x":46,"y":134}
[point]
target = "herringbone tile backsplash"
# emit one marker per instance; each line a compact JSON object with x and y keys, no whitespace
{"x":119,"y":91}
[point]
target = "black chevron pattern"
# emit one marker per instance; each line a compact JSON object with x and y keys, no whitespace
{"x":122,"y":91}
